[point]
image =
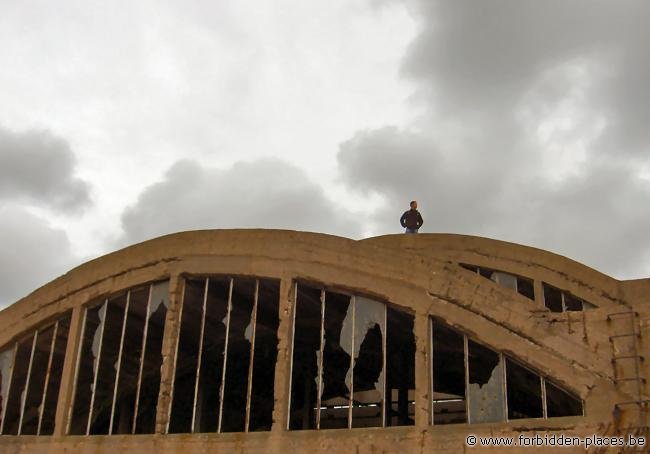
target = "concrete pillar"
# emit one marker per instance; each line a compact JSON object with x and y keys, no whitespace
{"x":170,"y":340}
{"x":66,"y":395}
{"x":422,"y":367}
{"x":539,"y":291}
{"x":283,"y":364}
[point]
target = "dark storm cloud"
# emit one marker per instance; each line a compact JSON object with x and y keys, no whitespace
{"x":481,"y":56}
{"x":38,"y":167}
{"x":535,"y":129}
{"x":33,"y":253}
{"x":267,"y":193}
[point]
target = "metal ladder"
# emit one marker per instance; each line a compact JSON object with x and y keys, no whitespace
{"x":630,"y":365}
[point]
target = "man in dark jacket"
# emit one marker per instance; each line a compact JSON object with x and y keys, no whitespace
{"x":411,"y":219}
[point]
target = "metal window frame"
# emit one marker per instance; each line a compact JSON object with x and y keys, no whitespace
{"x":23,"y":396}
{"x":50,"y":359}
{"x":200,"y":354}
{"x":119,"y":360}
{"x":225,"y":356}
{"x":96,"y":371}
{"x":249,"y":389}
{"x":142,"y":354}
{"x":76,"y":371}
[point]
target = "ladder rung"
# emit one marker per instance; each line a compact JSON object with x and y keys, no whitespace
{"x":623,"y":335}
{"x":633,"y":402}
{"x":634,"y":313}
{"x":616,"y":358}
{"x":641,"y":379}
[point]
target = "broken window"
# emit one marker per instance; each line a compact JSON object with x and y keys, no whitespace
{"x":225,"y":361}
{"x":524,"y":392}
{"x":30,"y":375}
{"x":485,"y":384}
{"x":340,"y":361}
{"x":118,"y":365}
{"x":560,"y":301}
{"x":470,"y":384}
{"x":521,"y":285}
{"x":448,"y":375}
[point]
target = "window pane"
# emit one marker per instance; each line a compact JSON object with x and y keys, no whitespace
{"x":150,"y":381}
{"x":525,"y":287}
{"x":485,"y":392}
{"x":560,"y":402}
{"x":368,"y":387}
{"x":552,"y":298}
{"x":239,"y":352}
{"x":572,"y":303}
{"x":54,"y":382}
{"x":214,"y":340}
{"x":187,"y":357}
{"x":306,"y":345}
{"x":105,"y":383}
{"x":17,"y":387}
{"x":448,"y":360}
{"x":130,"y":361}
{"x":524,"y":392}
{"x":400,"y":364}
{"x":266,"y":353}
{"x":335,"y":399}
{"x":36,"y":385}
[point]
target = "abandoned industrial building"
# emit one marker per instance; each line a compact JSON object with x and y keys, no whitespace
{"x":284,"y":341}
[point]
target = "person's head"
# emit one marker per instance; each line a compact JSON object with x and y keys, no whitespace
{"x":414,"y":205}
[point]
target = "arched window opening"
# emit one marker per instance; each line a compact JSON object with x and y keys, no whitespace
{"x":353,"y":362}
{"x":472,"y":383}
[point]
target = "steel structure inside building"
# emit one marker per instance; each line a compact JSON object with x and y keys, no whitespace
{"x":283,"y":341}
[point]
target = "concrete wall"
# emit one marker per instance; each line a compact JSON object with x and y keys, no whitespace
{"x":418,"y":272}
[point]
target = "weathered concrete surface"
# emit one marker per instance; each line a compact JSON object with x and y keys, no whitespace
{"x":418,"y":272}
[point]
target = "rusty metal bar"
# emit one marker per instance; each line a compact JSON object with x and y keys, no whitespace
{"x":466,"y":359}
{"x":320,"y":357}
{"x":11,"y":373}
{"x":76,"y":371}
{"x":96,"y":371}
{"x":119,"y":360}
{"x":225,"y":356}
{"x":200,"y":353}
{"x":351,"y":400}
{"x":542,"y":382}
{"x":47,"y":378}
{"x":293,"y":335}
{"x":23,"y":397}
{"x":142,"y":352}
{"x":249,"y":390}
{"x":504,"y":386}
{"x":384,"y":368}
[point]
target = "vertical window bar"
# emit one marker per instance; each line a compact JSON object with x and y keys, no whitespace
{"x":350,"y":401}
{"x":144,"y":344}
{"x":11,"y":373}
{"x":432,"y":419}
{"x":23,"y":398}
{"x":384,"y":368}
{"x":320,"y":358}
{"x":249,"y":390}
{"x":542,"y":383}
{"x":47,"y":378}
{"x":466,"y":357}
{"x":200,"y":353}
{"x":76,"y":371}
{"x":293,"y":334}
{"x":225,"y":356}
{"x":119,"y":361}
{"x":96,"y":366}
{"x":563,"y":303}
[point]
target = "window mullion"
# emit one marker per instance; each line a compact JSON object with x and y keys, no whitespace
{"x":225,"y":356}
{"x":47,"y":378}
{"x":140,"y":369}
{"x":249,"y":389}
{"x":96,"y":369}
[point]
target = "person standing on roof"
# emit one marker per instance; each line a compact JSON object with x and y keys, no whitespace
{"x":411,"y":220}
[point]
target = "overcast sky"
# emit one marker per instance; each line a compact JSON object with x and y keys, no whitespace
{"x":520,"y":120}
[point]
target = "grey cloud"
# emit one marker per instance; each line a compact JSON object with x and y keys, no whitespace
{"x":38,"y":167}
{"x":267,"y":193}
{"x":33,"y":253}
{"x":481,"y":57}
